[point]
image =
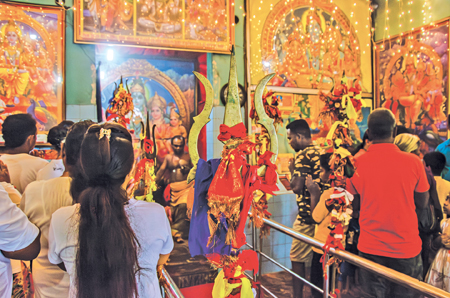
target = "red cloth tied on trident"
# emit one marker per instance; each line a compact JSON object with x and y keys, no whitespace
{"x":238,"y":132}
{"x":227,"y":187}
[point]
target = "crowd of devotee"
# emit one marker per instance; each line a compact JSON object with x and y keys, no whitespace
{"x":71,"y":227}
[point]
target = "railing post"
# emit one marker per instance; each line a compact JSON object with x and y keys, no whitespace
{"x":254,"y":247}
{"x":326,"y":284}
{"x":333,"y":278}
{"x":260,"y":257}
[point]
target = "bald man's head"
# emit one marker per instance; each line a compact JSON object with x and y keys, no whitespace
{"x":381,"y":124}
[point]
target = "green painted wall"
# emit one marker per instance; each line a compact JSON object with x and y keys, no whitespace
{"x":440,"y":9}
{"x":221,"y":63}
{"x":79,"y":58}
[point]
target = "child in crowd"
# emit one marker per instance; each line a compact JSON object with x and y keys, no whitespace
{"x":347,"y":269}
{"x":56,"y":136}
{"x":322,"y":216}
{"x":439,"y":273}
{"x":436,"y":161}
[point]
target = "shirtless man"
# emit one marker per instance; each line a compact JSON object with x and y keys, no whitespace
{"x":178,"y":164}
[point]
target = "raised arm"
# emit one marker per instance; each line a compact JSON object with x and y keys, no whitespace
{"x":314,"y":190}
{"x":161,"y":170}
{"x":297,"y":184}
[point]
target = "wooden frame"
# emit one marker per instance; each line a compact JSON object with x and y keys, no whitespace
{"x":155,"y":23}
{"x":32,"y":62}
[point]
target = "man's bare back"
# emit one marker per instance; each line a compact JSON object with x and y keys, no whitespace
{"x":178,"y":163}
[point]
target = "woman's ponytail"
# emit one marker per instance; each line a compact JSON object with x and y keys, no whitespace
{"x":107,"y":256}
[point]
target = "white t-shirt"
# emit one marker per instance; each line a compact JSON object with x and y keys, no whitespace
{"x":13,"y":194}
{"x":53,"y":169}
{"x":22,"y":168}
{"x":16,"y":233}
{"x":148,"y":221}
{"x":443,"y":190}
{"x":15,"y":197}
{"x":39,"y":201}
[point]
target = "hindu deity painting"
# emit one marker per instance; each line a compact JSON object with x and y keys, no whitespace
{"x":412,"y":78}
{"x":163,"y":89}
{"x":309,"y":46}
{"x":31,"y":63}
{"x":184,"y":24}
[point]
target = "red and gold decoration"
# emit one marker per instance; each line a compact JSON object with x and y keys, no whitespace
{"x":342,"y":105}
{"x":231,"y":205}
{"x":235,"y":187}
{"x":231,"y":281}
{"x":120,"y":106}
{"x":195,"y":25}
{"x":144,"y":177}
{"x":270,"y":102}
{"x":32,"y":63}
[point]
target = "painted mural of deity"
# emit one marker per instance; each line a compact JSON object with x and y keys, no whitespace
{"x":13,"y":61}
{"x":412,"y":82}
{"x":310,"y":49}
{"x":161,"y":89}
{"x":29,"y":67}
{"x":160,"y":16}
{"x":109,"y":15}
{"x":411,"y":77}
{"x":206,"y":20}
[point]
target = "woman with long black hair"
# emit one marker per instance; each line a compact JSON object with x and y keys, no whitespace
{"x":109,"y":244}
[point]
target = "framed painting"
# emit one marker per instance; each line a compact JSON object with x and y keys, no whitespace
{"x":163,"y":88}
{"x":308,"y":44}
{"x":412,"y":81}
{"x":192,"y":25}
{"x":32,"y":63}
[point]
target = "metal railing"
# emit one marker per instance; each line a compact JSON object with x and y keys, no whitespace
{"x":389,"y":274}
{"x":168,"y":285}
{"x":171,"y":290}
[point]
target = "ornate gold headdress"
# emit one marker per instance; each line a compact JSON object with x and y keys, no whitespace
{"x":120,"y":105}
{"x":173,"y":112}
{"x":158,"y":102}
{"x":138,"y":86}
{"x":11,"y":26}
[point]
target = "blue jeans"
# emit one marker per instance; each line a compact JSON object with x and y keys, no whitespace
{"x":378,"y":287}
